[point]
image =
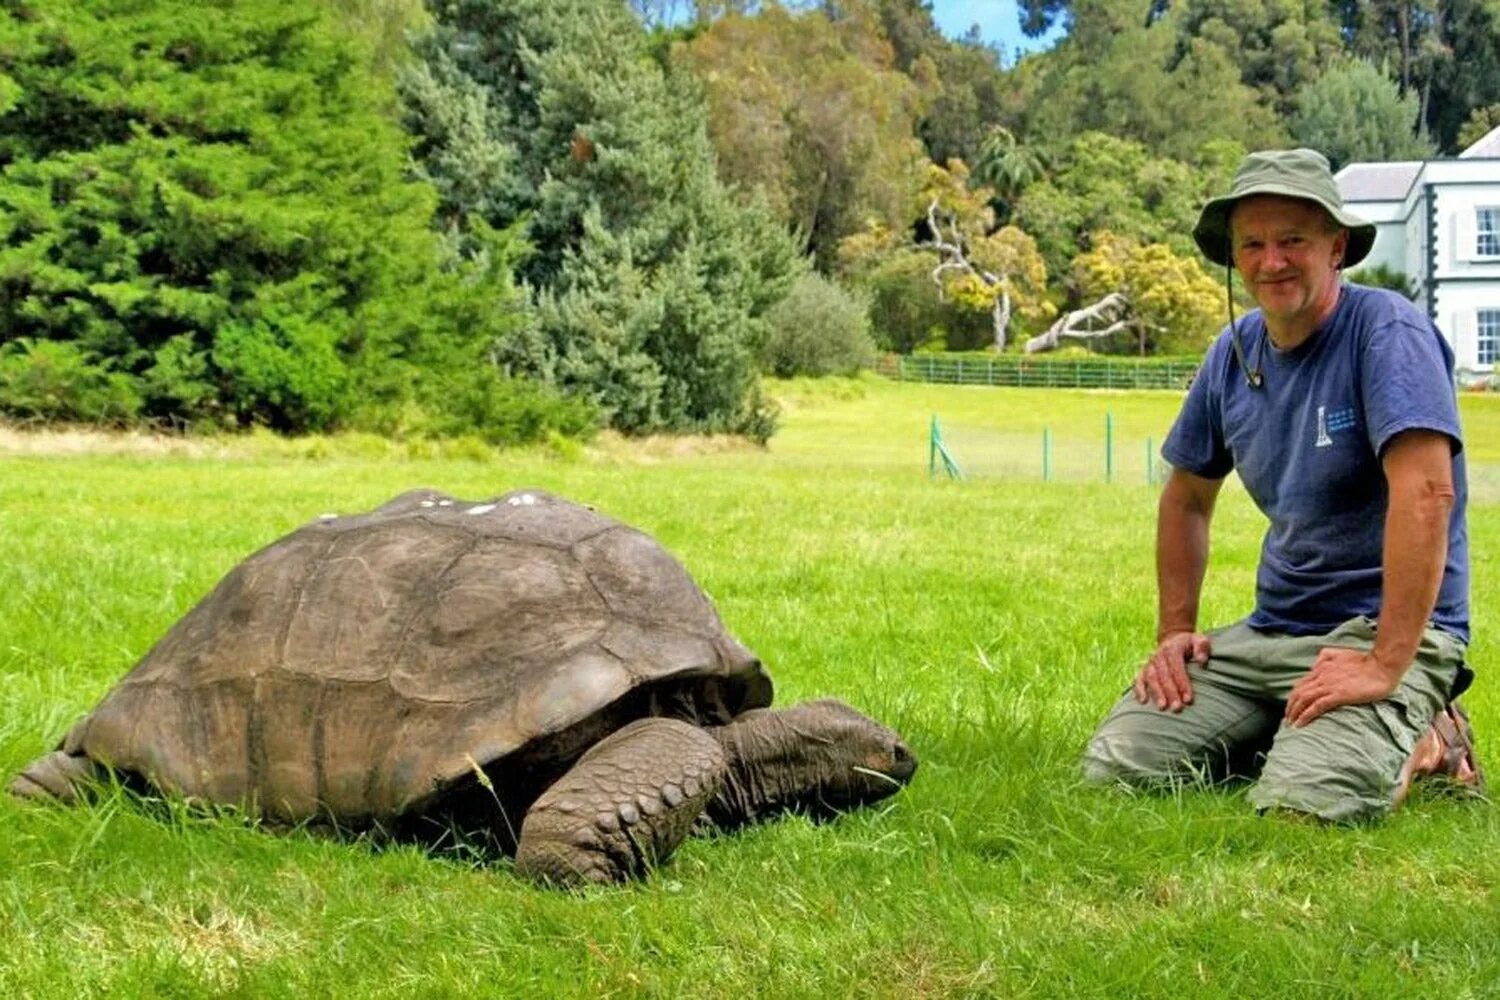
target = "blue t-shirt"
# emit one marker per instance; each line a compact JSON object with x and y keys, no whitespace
{"x":1307,"y":446}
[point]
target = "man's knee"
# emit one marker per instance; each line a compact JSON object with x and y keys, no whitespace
{"x":1339,"y":775}
{"x":1334,"y":798}
{"x":1135,"y":758}
{"x":1141,"y":745}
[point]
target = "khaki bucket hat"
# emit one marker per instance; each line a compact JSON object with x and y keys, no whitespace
{"x":1292,"y":173}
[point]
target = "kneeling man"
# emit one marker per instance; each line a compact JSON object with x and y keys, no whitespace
{"x":1335,"y":405}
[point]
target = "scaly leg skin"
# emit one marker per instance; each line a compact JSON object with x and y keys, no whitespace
{"x":55,"y":776}
{"x":624,"y":807}
{"x":819,"y":757}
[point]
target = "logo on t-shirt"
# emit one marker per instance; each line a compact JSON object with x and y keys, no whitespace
{"x":1331,"y":423}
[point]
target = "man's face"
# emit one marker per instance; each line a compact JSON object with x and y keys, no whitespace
{"x":1287,"y":252}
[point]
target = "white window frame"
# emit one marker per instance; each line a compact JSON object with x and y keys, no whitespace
{"x":1486,"y":237}
{"x":1487,"y":336}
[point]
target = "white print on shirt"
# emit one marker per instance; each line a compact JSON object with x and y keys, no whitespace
{"x":1329,"y":424}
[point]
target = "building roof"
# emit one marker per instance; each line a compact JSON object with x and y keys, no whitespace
{"x":1487,"y":146}
{"x":1378,"y":181}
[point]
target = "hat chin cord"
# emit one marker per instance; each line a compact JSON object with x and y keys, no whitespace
{"x":1254,"y":377}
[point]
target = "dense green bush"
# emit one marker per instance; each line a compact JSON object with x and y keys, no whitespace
{"x":906,"y":311}
{"x":51,"y":381}
{"x":1384,"y":276}
{"x":501,"y":410}
{"x":205,"y":219}
{"x":818,"y":329}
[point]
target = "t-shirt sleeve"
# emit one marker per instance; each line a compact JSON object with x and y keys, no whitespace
{"x":1196,"y":441}
{"x":1406,"y":383}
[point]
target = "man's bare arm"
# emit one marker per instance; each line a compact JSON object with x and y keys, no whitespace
{"x":1419,"y":472}
{"x":1419,"y":475}
{"x":1182,"y":521}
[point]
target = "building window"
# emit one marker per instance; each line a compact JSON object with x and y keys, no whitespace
{"x":1487,"y":222}
{"x":1488,"y":347}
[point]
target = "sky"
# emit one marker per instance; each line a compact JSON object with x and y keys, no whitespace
{"x":997,"y":20}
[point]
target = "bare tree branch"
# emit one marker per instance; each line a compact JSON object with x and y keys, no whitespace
{"x":953,"y":258}
{"x":1113,"y":311}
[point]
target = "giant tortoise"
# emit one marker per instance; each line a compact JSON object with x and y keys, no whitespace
{"x":523,"y":674}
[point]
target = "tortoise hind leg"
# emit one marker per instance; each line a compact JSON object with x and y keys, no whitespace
{"x":58,"y":775}
{"x":624,"y":807}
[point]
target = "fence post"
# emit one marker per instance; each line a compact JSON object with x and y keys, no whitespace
{"x":932,"y":439}
{"x":1046,"y":454}
{"x":938,"y":451}
{"x":1150,"y":464}
{"x":1109,"y":447}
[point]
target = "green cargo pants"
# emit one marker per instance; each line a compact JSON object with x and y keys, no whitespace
{"x":1344,"y":765}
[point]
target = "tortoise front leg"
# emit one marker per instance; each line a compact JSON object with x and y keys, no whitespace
{"x":624,"y":807}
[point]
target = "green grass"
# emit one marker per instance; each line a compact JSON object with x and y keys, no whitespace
{"x":991,"y":621}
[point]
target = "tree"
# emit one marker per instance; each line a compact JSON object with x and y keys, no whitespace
{"x":1119,"y":75}
{"x":980,"y":269}
{"x":1145,"y":297}
{"x":1279,"y":47}
{"x":906,"y":310}
{"x":1402,"y":31}
{"x":1354,"y":113}
{"x":1481,"y":122}
{"x":711,"y":10}
{"x":650,"y":282}
{"x":383,"y":25}
{"x":1447,"y":52}
{"x":965,"y":101}
{"x":205,"y":204}
{"x":1038,"y":16}
{"x":1007,"y":166}
{"x":809,"y":114}
{"x":1101,"y":182}
{"x":1470,"y":79}
{"x":1384,"y":276}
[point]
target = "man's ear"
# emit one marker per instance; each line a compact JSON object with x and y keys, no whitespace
{"x":1340,"y":247}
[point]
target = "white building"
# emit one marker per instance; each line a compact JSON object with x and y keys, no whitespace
{"x":1438,"y":222}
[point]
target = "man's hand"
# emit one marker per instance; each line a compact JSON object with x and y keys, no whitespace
{"x":1339,"y":677}
{"x":1164,"y":678}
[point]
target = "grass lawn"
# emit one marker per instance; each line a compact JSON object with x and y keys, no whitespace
{"x":991,"y":621}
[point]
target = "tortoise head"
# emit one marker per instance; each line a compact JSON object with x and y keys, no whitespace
{"x":820,"y":758}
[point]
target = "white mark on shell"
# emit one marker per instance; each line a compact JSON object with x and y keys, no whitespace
{"x":427,"y":503}
{"x":327,"y":517}
{"x":521,"y":500}
{"x":445,"y":503}
{"x":483,"y":508}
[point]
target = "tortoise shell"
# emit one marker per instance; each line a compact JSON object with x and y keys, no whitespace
{"x":362,"y":667}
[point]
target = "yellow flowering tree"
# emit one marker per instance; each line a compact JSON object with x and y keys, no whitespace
{"x":1164,"y":300}
{"x":999,"y":272}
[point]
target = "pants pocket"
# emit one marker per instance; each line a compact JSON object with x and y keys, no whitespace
{"x":1397,"y":726}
